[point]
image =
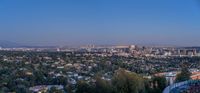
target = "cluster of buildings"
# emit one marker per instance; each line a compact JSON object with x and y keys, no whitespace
{"x":171,"y":76}
{"x":45,"y":88}
{"x":120,"y":50}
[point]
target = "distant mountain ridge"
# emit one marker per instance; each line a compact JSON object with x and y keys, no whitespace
{"x":9,"y":44}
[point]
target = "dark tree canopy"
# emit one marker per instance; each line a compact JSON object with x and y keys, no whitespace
{"x":183,"y":75}
{"x":127,"y":82}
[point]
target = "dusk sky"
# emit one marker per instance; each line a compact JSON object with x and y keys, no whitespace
{"x":102,"y":22}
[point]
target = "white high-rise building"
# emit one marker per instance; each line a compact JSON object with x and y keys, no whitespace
{"x":132,"y":47}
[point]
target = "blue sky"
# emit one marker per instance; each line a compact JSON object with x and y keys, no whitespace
{"x":80,"y":22}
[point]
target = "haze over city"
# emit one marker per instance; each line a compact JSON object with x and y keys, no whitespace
{"x":101,"y":22}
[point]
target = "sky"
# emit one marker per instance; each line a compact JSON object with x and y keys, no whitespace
{"x":100,"y":22}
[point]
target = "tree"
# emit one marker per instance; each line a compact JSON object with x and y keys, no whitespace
{"x":69,"y":88}
{"x":159,"y":84}
{"x":83,"y":87}
{"x":102,"y":86}
{"x":4,"y":90}
{"x":127,"y":82}
{"x":184,"y":75}
{"x":21,"y":89}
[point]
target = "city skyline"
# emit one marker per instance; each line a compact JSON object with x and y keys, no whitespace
{"x":100,"y":22}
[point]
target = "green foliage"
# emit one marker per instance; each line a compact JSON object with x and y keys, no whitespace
{"x":127,"y":82}
{"x":83,"y":87}
{"x":123,"y":82}
{"x":184,"y":75}
{"x":69,"y":88}
{"x":102,"y":86}
{"x":159,"y":84}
